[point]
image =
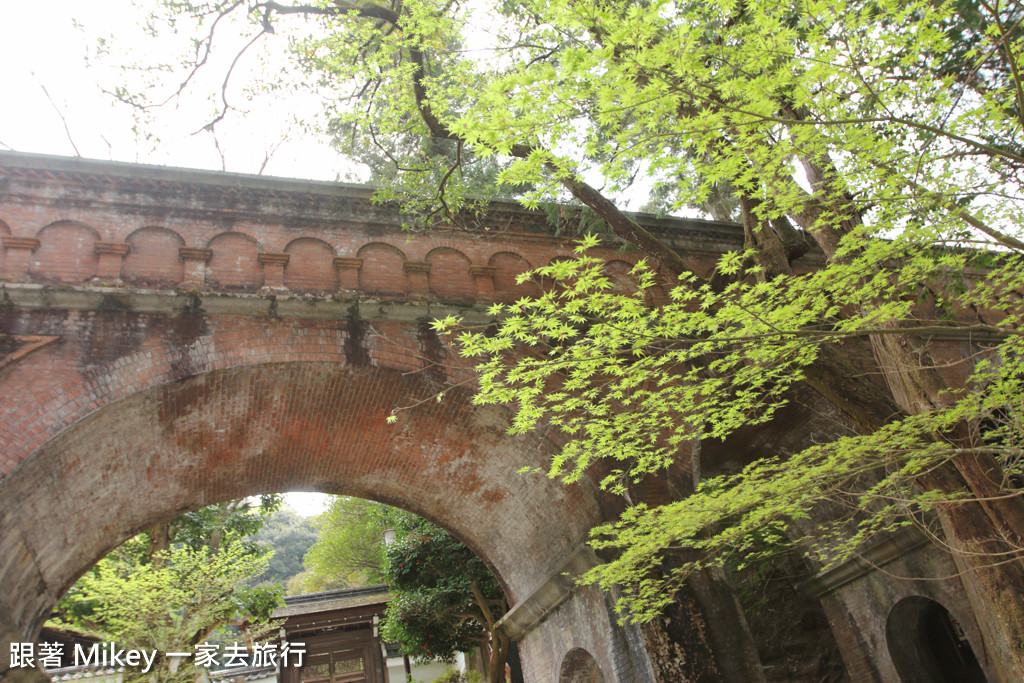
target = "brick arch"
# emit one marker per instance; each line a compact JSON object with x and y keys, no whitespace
{"x":310,"y":266}
{"x":508,"y":266}
{"x":174,"y":349}
{"x":449,"y":277}
{"x":579,"y":666}
{"x":72,"y":483}
{"x":382,"y":271}
{"x":234,"y":264}
{"x":277,"y":426}
{"x":927,"y":644}
{"x":153,"y":259}
{"x":66,"y":253}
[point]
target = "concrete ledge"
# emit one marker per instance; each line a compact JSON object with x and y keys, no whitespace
{"x":38,"y":297}
{"x":556,"y":589}
{"x":880,"y":553}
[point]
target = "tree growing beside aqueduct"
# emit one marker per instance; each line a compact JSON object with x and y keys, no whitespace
{"x":905,"y":122}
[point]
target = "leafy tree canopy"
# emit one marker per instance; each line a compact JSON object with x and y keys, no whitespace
{"x":889,"y":132}
{"x":236,"y":521}
{"x":349,"y":550}
{"x":173,"y":603}
{"x":290,"y":535}
{"x":172,"y":597}
{"x":444,"y":599}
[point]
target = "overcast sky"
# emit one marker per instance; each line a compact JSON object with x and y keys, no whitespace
{"x":53,"y":102}
{"x":44,"y":50}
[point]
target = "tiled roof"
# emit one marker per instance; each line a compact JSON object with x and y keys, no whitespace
{"x":248,"y":673}
{"x":329,"y":601}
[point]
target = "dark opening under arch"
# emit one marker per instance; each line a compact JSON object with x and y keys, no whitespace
{"x":579,"y":666}
{"x":928,"y":645}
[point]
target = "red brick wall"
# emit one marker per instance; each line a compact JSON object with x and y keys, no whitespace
{"x":70,"y":206}
{"x":126,"y":413}
{"x":129,"y":416}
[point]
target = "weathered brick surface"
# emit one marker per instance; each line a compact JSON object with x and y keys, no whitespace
{"x":72,"y":208}
{"x":181,"y":338}
{"x":130,"y":418}
{"x":148,"y":400}
{"x":581,"y":637}
{"x":859,"y":612}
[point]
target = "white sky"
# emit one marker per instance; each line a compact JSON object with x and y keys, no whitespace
{"x":41,"y":47}
{"x":49,"y":49}
{"x":305,"y":503}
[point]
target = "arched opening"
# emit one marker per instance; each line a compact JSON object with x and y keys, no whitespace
{"x":579,"y":666}
{"x":211,"y":591}
{"x":928,"y":645}
{"x":272,"y":427}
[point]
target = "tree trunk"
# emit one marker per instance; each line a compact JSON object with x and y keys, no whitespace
{"x":995,"y":586}
{"x":498,"y":642}
{"x":159,"y":539}
{"x":498,"y":657}
{"x":730,"y":636}
{"x":704,"y":636}
{"x":986,"y":534}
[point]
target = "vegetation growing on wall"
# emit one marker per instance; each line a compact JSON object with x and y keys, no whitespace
{"x":886,"y":136}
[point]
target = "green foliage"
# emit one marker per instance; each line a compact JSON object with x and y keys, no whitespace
{"x":444,"y":599}
{"x":634,"y":385}
{"x":173,"y":602}
{"x":349,"y":550}
{"x":173,"y":598}
{"x":905,"y":120}
{"x":290,"y":535}
{"x":235,"y":521}
{"x":453,"y":676}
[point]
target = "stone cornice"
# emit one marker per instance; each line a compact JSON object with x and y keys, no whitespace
{"x":11,"y":242}
{"x":867,"y":560}
{"x":274,"y":258}
{"x":195,"y":254}
{"x":483,"y":271}
{"x":556,"y":589}
{"x":416,"y":267}
{"x":345,"y":262}
{"x":208,"y":193}
{"x":43,"y":297}
{"x":111,"y":248}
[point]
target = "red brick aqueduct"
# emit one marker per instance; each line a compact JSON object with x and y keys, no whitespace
{"x":170,"y":339}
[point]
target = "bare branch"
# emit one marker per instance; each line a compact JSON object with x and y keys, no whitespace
{"x":224,"y":86}
{"x":67,"y":131}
